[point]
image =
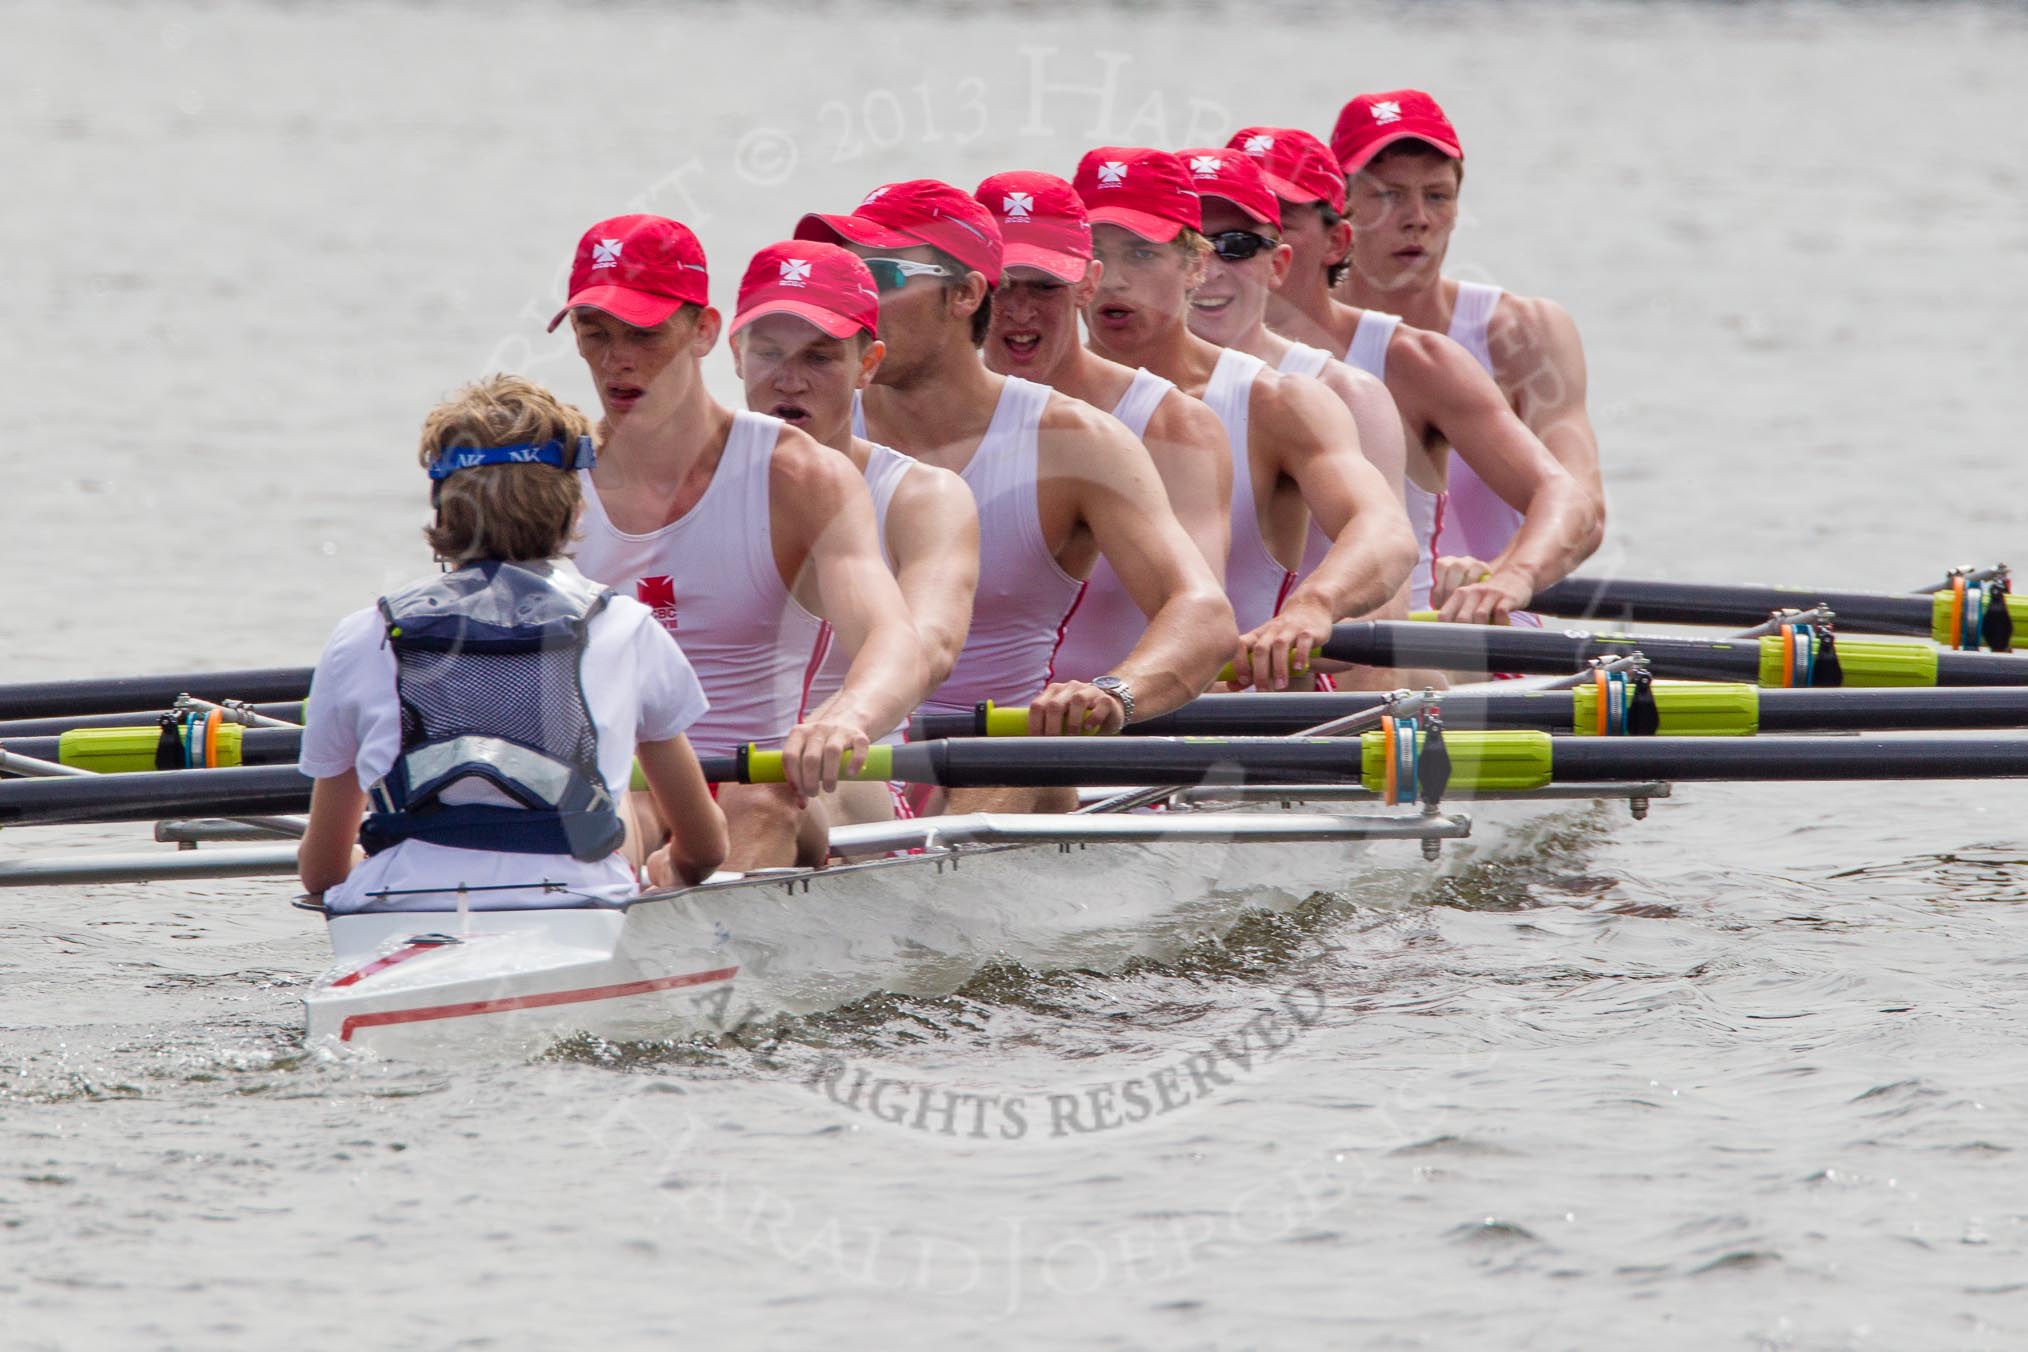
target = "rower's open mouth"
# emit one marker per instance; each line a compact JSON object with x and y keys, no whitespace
{"x":1210,"y":304}
{"x":623,"y":394}
{"x":1021,"y":342}
{"x":794,"y":414}
{"x":1114,"y":315}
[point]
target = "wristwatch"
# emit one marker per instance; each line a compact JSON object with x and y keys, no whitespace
{"x":1117,"y":688}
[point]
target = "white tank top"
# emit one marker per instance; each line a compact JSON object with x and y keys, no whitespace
{"x":1255,"y":581}
{"x":1107,"y":624}
{"x":1369,"y":342}
{"x":1303,"y":360}
{"x":710,"y":577}
{"x":1477,"y":521}
{"x":885,"y":469}
{"x":1024,"y":599}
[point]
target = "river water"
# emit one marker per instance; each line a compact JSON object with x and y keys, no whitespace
{"x":1747,"y":1074}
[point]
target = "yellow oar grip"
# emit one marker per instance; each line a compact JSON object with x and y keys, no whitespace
{"x":1230,"y":671}
{"x":765,"y":767}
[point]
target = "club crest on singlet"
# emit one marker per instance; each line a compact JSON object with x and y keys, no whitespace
{"x":659,"y":595}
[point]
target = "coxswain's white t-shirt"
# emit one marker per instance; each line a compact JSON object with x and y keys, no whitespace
{"x":638,"y":686}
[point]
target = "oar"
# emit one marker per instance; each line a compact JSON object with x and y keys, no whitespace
{"x":1774,"y":660}
{"x":286,"y":711}
{"x":250,"y":791}
{"x":45,"y":699}
{"x":115,"y":750}
{"x":1949,"y":616}
{"x":1480,"y":762}
{"x":1682,"y":709}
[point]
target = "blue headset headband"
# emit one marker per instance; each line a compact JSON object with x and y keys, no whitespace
{"x":527,"y":453}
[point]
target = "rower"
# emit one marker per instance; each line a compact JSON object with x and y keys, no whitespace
{"x":1244,"y":209}
{"x":1446,"y":402}
{"x":1407,"y":169}
{"x":1049,"y":276}
{"x":1230,"y":309}
{"x":1294,"y":447}
{"x":753,"y":542}
{"x":1058,"y":485}
{"x":494,"y":708}
{"x":804,"y":342}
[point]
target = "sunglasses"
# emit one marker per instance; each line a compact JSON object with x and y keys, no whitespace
{"x":1236,"y":246}
{"x":892,"y":274}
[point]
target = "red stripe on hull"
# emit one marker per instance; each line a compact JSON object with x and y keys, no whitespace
{"x":430,"y":1013}
{"x":412,"y":950}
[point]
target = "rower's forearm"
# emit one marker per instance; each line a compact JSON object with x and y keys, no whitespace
{"x":1364,"y":568}
{"x":884,"y":683}
{"x":1559,"y":532}
{"x":1178,"y":657}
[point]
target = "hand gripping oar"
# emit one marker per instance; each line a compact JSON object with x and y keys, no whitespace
{"x":1492,"y":762}
{"x":1682,"y":708}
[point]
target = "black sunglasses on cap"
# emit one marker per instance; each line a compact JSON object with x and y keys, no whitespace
{"x":1236,"y":246}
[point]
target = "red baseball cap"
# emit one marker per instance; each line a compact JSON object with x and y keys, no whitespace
{"x":812,"y":280}
{"x":1232,"y":175}
{"x":920,"y":211}
{"x":1298,"y":166}
{"x":1042,"y":221}
{"x":638,"y":269}
{"x":1372,"y":122}
{"x":1146,"y":191}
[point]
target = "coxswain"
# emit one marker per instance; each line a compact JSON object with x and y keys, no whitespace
{"x":1294,"y":447}
{"x":1058,"y":484}
{"x":753,"y":543}
{"x":1048,"y":277}
{"x":804,"y":342}
{"x":1407,"y":170}
{"x":482,"y":721}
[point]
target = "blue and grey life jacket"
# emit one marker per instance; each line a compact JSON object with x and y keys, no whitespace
{"x":488,"y":669}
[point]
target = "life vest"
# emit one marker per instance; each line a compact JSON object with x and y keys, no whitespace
{"x":488,"y":674}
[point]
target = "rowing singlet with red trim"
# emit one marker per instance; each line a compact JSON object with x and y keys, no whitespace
{"x":1107,"y":623}
{"x":1477,"y":521}
{"x":885,"y":469}
{"x":1426,"y":510}
{"x":710,"y":577}
{"x":1024,"y":598}
{"x":1255,"y":581}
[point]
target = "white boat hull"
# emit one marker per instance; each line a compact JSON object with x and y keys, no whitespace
{"x":707,"y":958}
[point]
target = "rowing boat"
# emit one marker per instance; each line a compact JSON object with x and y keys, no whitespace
{"x":1042,"y":891}
{"x":1259,"y":823}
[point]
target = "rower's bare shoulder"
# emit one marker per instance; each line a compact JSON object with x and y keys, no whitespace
{"x":1071,"y":426}
{"x":931,"y":491}
{"x":1293,"y":407}
{"x":1436,"y":360}
{"x":803,"y":465}
{"x":1528,"y":330}
{"x":1354,"y":385}
{"x":1180,"y":420}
